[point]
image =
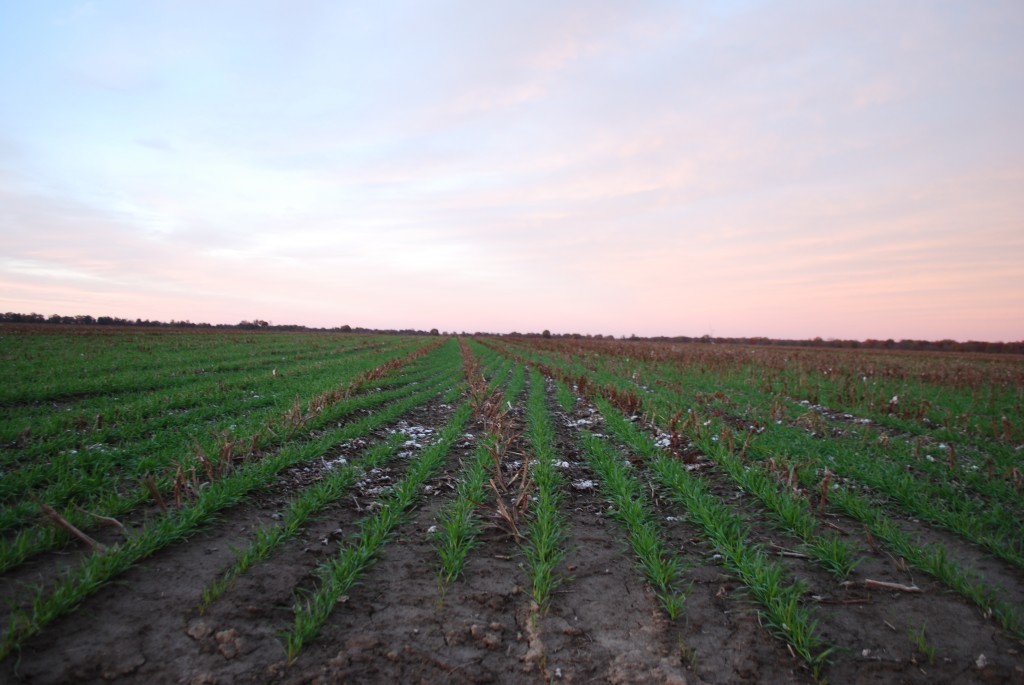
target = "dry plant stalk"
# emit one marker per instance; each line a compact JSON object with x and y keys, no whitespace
{"x":1014,"y":474}
{"x":154,"y":492}
{"x":674,"y":440}
{"x":823,"y":501}
{"x":108,"y":520}
{"x":522,"y":501}
{"x":186,"y":485}
{"x":725,"y":437}
{"x":869,"y":584}
{"x":506,"y":517}
{"x":62,"y":522}
{"x":746,"y":444}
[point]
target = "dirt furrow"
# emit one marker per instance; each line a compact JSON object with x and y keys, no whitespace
{"x":145,"y":627}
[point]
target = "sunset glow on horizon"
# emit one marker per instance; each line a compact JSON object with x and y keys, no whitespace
{"x":741,"y":168}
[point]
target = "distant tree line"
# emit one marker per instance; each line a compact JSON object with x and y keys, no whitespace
{"x":255,"y":324}
{"x":870,"y":344}
{"x":260,"y":324}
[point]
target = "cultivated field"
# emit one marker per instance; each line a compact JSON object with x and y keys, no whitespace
{"x":229,"y":507}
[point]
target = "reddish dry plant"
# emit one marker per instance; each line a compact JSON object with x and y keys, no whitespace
{"x":725,"y":437}
{"x":1007,"y":429}
{"x":186,"y":485}
{"x":494,"y":413}
{"x":675,"y":440}
{"x":215,"y":467}
{"x":1016,"y":477}
{"x":746,"y":444}
{"x":813,"y":422}
{"x":692,"y":424}
{"x":786,"y":473}
{"x":505,"y":518}
{"x":54,"y":517}
{"x":823,"y":498}
{"x":154,"y":492}
{"x":706,"y":399}
{"x":626,"y":401}
{"x":871,"y":541}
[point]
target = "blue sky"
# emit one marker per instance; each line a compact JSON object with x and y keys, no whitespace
{"x":849,"y":170}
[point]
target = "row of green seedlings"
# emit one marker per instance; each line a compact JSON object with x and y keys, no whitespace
{"x":339,"y":574}
{"x":979,"y":410}
{"x":944,"y":499}
{"x":70,"y":476}
{"x":308,"y":503}
{"x":113,"y":418}
{"x":69,"y":463}
{"x":984,"y":510}
{"x":823,"y":476}
{"x":779,"y":438}
{"x":56,"y":375}
{"x":178,"y":524}
{"x":956,"y":470}
{"x":546,"y":531}
{"x":988,"y":469}
{"x":460,"y":522}
{"x":779,"y":597}
{"x":932,"y":559}
{"x":788,"y":510}
{"x":628,"y":499}
{"x":1005,"y":478}
{"x":990,"y":524}
{"x":633,"y":511}
{"x":103,"y":566}
{"x":193,"y":474}
{"x":183,"y":486}
{"x":537,"y":528}
{"x":1002,"y":484}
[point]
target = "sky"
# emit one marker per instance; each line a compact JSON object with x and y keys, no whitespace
{"x":847,"y":170}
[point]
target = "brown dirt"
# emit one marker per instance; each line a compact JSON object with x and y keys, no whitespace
{"x":604,"y":625}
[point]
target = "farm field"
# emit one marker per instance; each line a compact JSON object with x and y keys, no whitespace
{"x":263,"y":507}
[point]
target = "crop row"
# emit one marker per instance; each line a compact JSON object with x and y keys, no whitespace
{"x":751,"y":460}
{"x":225,"y":489}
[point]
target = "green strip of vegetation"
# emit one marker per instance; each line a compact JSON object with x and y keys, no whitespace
{"x":178,"y":524}
{"x":779,"y":597}
{"x":459,"y":523}
{"x":299,"y":510}
{"x":630,"y":507}
{"x":41,"y":537}
{"x":546,"y":533}
{"x":339,"y":574}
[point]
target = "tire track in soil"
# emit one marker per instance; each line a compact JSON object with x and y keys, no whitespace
{"x":718,"y":633}
{"x":144,"y":626}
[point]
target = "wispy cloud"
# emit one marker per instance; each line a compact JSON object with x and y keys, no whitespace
{"x":738,"y":168}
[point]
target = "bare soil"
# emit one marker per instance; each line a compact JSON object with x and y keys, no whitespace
{"x":604,"y":625}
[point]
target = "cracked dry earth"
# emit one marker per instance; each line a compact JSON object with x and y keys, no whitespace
{"x":394,"y":626}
